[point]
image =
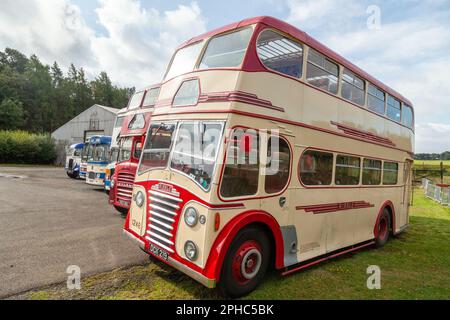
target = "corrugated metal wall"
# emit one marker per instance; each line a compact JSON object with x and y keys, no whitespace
{"x":94,"y":118}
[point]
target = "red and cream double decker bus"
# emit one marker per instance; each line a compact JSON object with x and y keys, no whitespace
{"x":131,"y":138}
{"x":267,"y":149}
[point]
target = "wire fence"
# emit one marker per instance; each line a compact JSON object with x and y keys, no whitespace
{"x":438,"y":193}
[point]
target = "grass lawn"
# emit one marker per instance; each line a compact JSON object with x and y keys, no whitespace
{"x":415,"y":265}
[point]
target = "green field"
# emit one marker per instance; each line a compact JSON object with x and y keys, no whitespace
{"x":414,"y":265}
{"x":431,"y":163}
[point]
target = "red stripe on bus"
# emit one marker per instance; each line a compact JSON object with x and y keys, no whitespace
{"x":335,"y":207}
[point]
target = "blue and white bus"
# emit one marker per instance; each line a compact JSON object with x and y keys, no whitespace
{"x":73,"y":160}
{"x":97,"y":163}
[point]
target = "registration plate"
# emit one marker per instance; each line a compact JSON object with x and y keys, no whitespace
{"x":159,"y":252}
{"x":124,"y":203}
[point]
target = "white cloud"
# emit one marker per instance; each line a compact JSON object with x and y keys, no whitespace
{"x":432,"y":137}
{"x":139,"y":41}
{"x":135,"y":50}
{"x":51,"y":29}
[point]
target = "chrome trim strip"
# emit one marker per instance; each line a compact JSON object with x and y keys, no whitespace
{"x":164,"y":202}
{"x":154,"y":206}
{"x":152,"y":226}
{"x":161,"y":216}
{"x":157,"y":193}
{"x":160,"y":237}
{"x":161,"y":223}
{"x":159,"y":244}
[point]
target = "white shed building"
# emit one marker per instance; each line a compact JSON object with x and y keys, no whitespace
{"x":97,"y":120}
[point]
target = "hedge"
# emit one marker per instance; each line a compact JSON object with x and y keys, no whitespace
{"x":26,"y":148}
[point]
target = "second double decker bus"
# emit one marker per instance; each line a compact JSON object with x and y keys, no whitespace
{"x":132,"y":137}
{"x":267,"y":149}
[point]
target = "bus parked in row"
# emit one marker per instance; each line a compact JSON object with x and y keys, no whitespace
{"x":109,"y":170}
{"x":266,"y":149}
{"x":86,"y":153}
{"x":132,"y":138}
{"x":73,"y":160}
{"x":114,"y":151}
{"x":96,"y":164}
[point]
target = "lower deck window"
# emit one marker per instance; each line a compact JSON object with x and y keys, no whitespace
{"x":347,"y":170}
{"x":390,"y":173}
{"x":241,"y":173}
{"x":371,"y":172}
{"x":316,"y":168}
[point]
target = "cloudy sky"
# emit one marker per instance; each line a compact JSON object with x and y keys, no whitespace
{"x":409,"y":49}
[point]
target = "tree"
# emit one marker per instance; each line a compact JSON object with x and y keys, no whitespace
{"x":103,"y":90}
{"x":11,"y":115}
{"x":48,"y":97}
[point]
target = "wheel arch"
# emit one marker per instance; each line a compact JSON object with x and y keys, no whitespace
{"x":390,"y":206}
{"x":223,"y":241}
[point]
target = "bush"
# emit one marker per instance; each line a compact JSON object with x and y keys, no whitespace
{"x":26,"y":148}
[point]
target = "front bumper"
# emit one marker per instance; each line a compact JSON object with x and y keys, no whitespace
{"x":207,"y":282}
{"x":95,"y":182}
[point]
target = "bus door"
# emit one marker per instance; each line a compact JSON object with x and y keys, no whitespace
{"x":407,"y":190}
{"x":278,"y":171}
{"x":312,"y":170}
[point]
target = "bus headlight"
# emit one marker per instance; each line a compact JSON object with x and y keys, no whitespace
{"x":190,"y":250}
{"x":112,"y":182}
{"x":191,"y":217}
{"x":139,"y":198}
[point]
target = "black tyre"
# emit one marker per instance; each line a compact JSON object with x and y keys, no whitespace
{"x":245,"y":263}
{"x":121,"y":210}
{"x":383,"y":228}
{"x":72,"y":175}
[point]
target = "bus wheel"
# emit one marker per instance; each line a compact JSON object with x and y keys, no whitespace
{"x":245,"y":263}
{"x":122,"y":211}
{"x":383,"y":228}
{"x":72,"y":175}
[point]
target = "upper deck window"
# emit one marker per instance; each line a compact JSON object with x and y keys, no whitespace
{"x":119,"y":122}
{"x":353,"y":88}
{"x":184,"y":60}
{"x":393,"y":109}
{"x":151,"y":96}
{"x":376,"y":100}
{"x":280,"y":54}
{"x":226,"y":51}
{"x":321,"y":72}
{"x":136,"y":100}
{"x":407,"y":116}
{"x":187,"y":94}
{"x":138,"y":122}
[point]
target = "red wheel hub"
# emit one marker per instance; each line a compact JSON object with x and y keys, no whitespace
{"x":383,"y":227}
{"x":246,"y":261}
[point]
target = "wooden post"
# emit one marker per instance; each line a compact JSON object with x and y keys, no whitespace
{"x":442,"y":172}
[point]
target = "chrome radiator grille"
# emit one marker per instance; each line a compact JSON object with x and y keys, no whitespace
{"x":125,"y":182}
{"x":163,"y":212}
